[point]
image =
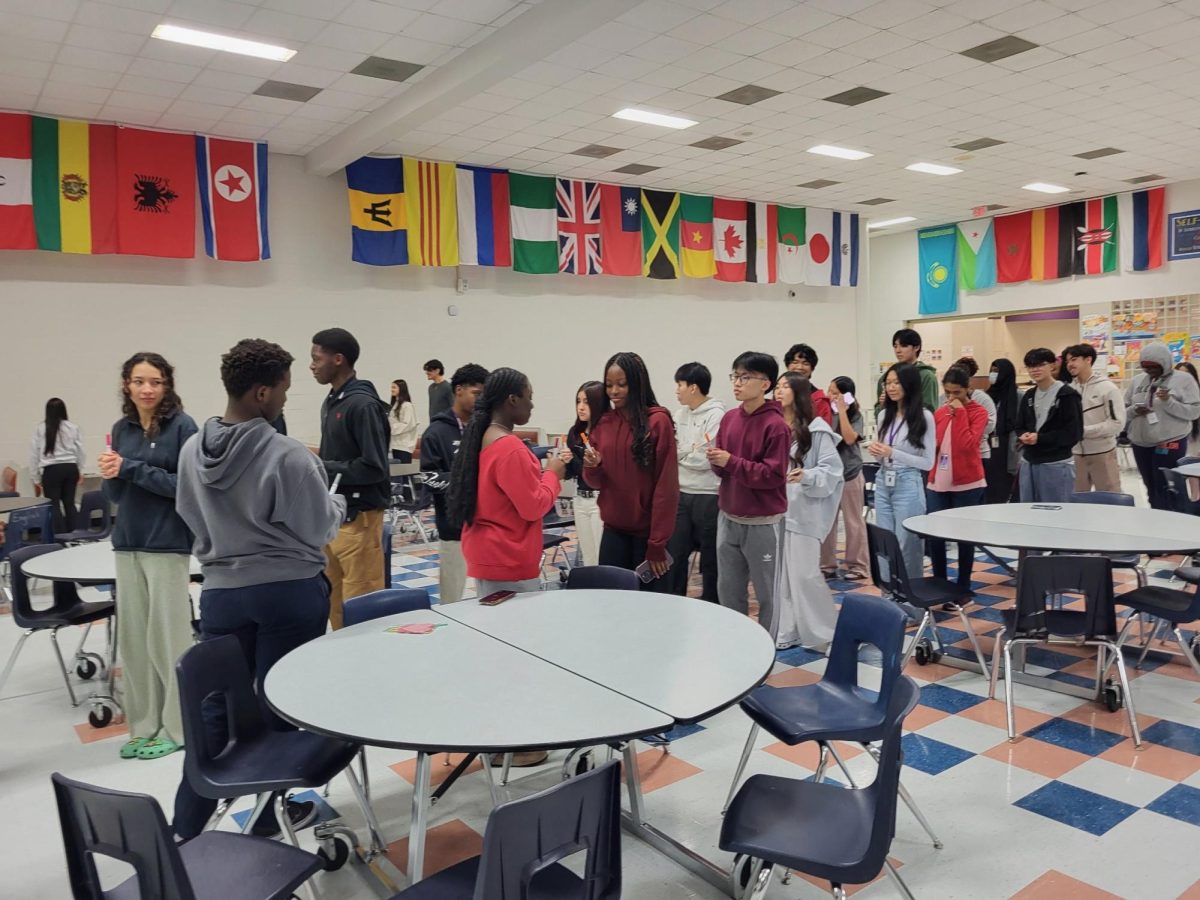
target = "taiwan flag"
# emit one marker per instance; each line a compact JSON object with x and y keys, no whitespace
{"x":620,"y":230}
{"x":232,"y":176}
{"x":156,"y":193}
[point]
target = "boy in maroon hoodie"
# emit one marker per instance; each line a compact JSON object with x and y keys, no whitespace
{"x":751,"y":459}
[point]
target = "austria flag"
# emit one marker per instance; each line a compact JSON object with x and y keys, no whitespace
{"x":232,"y":176}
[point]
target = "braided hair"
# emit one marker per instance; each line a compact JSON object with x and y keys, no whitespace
{"x":464,"y":471}
{"x":641,"y":398}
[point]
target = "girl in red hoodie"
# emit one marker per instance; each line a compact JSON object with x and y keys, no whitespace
{"x":956,"y":478}
{"x":631,"y":462}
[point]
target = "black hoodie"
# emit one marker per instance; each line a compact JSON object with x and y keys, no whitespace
{"x":439,"y":443}
{"x":354,"y":444}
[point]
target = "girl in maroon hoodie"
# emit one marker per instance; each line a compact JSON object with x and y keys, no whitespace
{"x":631,"y":462}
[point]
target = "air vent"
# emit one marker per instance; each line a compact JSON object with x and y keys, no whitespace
{"x":748,"y":94}
{"x":387,"y":69}
{"x":596,"y":151}
{"x":285,"y":90}
{"x":856,"y":96}
{"x":636,"y":169}
{"x":716,"y":143}
{"x":1000,"y":48}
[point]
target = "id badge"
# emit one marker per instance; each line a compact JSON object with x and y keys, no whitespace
{"x":1152,"y":418}
{"x":889,"y":478}
{"x":944,"y":462}
{"x":994,"y":442}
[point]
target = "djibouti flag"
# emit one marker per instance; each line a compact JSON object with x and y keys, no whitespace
{"x":976,"y":255}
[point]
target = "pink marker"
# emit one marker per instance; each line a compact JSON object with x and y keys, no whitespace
{"x":108,"y":441}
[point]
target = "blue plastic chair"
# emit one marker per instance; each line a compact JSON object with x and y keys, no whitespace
{"x":1113,"y":498}
{"x":526,"y":840}
{"x":388,"y":602}
{"x":822,"y":830}
{"x":34,"y":525}
{"x":611,"y":578}
{"x":94,"y":521}
{"x":129,"y":827}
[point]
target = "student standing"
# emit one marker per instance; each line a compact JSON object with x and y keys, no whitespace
{"x":751,"y":459}
{"x":1049,"y":425}
{"x":957,"y":478}
{"x":402,"y":419}
{"x":1161,"y":405}
{"x":354,"y":449}
{"x":441,"y":392}
{"x":697,"y":422}
{"x":968,"y":365}
{"x":55,"y":460}
{"x":814,"y":487}
{"x":152,"y":547}
{"x":1193,"y":444}
{"x":259,"y":505}
{"x":589,"y":406}
{"x":438,"y":446}
{"x":904,"y":445}
{"x":802,"y":359}
{"x":1096,"y":465}
{"x":1000,"y":467}
{"x":848,"y":425}
{"x":906,"y":344}
{"x":632,"y":462}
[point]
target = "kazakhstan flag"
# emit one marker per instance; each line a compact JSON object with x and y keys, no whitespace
{"x":378,"y":220}
{"x":937,"y":270}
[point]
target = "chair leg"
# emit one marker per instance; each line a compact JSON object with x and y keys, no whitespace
{"x":62,"y":666}
{"x":737,"y":776}
{"x":1155,"y":631}
{"x":12,"y":657}
{"x":218,"y":814}
{"x":962,"y":614}
{"x":997,"y":643}
{"x":1187,"y":651}
{"x":363,"y":776}
{"x":822,"y":762}
{"x":891,"y":870}
{"x":507,"y":767}
{"x":259,"y":806}
{"x":1128,"y":696}
{"x":1008,"y":691}
{"x":486,"y":759}
{"x":87,"y":630}
{"x":364,"y":803}
{"x":916,"y":639}
{"x":286,"y":824}
{"x":841,"y":765}
{"x":910,"y":803}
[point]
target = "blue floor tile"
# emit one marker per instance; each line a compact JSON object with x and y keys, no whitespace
{"x":1075,"y":736}
{"x":1175,"y":736}
{"x":407,"y":575}
{"x":1082,"y":681}
{"x":1049,"y":659}
{"x":1181,"y":802}
{"x":798,"y":656}
{"x":1087,"y":811}
{"x":325,"y":812}
{"x":988,"y":614}
{"x":948,"y":699}
{"x":427,"y":563}
{"x":950,"y":635}
{"x":931,"y":756}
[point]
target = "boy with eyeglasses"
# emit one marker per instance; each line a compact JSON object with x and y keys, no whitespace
{"x":1049,"y":425}
{"x":750,"y":457}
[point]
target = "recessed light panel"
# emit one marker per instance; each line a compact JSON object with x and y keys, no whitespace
{"x":646,"y":117}
{"x":838,"y":152}
{"x":191,"y":36}
{"x":933,"y":169}
{"x":1043,"y":188}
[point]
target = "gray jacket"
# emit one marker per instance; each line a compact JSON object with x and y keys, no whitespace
{"x":691,"y":425}
{"x":1103,"y":415}
{"x":1151,"y":421}
{"x":258,"y":503}
{"x":813,"y":501}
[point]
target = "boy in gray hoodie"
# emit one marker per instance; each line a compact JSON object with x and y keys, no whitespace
{"x":260,"y":508}
{"x":1160,"y":405}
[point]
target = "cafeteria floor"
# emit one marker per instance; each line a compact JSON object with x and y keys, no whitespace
{"x":1069,"y":811}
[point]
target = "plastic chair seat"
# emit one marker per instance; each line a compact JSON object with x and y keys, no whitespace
{"x":1058,"y":622}
{"x":816,"y":712}
{"x":1177,"y":607}
{"x":1190,"y":574}
{"x":57,"y":617}
{"x":932,"y":591}
{"x":222,"y":865}
{"x":552,"y":540}
{"x":458,"y":883}
{"x":275,"y":761}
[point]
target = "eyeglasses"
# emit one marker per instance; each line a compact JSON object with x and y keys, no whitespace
{"x":734,"y":378}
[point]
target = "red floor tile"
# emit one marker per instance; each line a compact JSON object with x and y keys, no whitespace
{"x":89,"y":735}
{"x":808,"y":754}
{"x":1037,"y":756}
{"x":445,"y":845}
{"x":793,"y":678}
{"x":657,"y":769}
{"x":991,"y":712}
{"x":1155,"y":759}
{"x":1055,"y":885}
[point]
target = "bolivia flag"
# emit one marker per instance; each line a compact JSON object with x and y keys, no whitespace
{"x":16,"y":196}
{"x":75,"y":186}
{"x":696,"y":236}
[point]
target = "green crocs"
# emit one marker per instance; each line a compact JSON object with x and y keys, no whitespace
{"x":130,"y":748}
{"x":157,"y":747}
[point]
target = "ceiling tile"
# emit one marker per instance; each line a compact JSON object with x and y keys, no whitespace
{"x":282,"y":27}
{"x":213,"y":13}
{"x":411,"y":49}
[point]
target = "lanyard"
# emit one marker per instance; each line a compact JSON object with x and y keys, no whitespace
{"x":892,"y":432}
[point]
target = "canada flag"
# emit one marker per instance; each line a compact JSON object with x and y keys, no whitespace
{"x":729,"y":239}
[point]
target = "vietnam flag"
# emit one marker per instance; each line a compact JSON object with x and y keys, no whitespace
{"x":156,"y":193}
{"x":696,"y":236}
{"x":729,"y":239}
{"x":75,"y":186}
{"x":1013,"y":247}
{"x":620,"y":230}
{"x":16,"y":195}
{"x":233,"y":198}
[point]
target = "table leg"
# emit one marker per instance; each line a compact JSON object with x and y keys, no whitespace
{"x":420,"y":814}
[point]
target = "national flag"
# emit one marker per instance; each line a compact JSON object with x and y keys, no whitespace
{"x":1141,"y":229}
{"x":818,"y":237}
{"x":432,"y":212}
{"x":845,"y":250}
{"x":1054,"y":237}
{"x":1096,"y":246}
{"x":534,"y":223}
{"x":232,"y":176}
{"x":660,"y":234}
{"x":1013,"y":247}
{"x":976,"y":255}
{"x":75,"y":186}
{"x":696,"y":236}
{"x":378,"y":214}
{"x":761,"y":241}
{"x":483,"y":217}
{"x":17,"y":231}
{"x":793,"y":253}
{"x":620,"y":230}
{"x":156,"y":193}
{"x":578,"y":226}
{"x":729,"y":239}
{"x":936,"y":263}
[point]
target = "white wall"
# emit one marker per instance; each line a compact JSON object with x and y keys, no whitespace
{"x":69,"y":321}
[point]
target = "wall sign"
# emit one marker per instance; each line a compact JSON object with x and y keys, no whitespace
{"x":1183,"y":232}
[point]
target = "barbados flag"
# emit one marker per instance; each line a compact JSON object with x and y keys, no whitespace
{"x":378,"y":217}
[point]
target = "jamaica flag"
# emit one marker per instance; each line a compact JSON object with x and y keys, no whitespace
{"x":660,"y":234}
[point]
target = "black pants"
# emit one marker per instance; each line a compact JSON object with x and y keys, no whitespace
{"x":935,"y":501}
{"x":999,"y":480}
{"x":401,"y":456}
{"x":269,"y":621}
{"x":58,"y":484}
{"x":695,"y":529}
{"x":1150,"y":462}
{"x":627,"y":551}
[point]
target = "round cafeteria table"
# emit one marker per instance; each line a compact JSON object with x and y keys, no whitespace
{"x":543,"y":670}
{"x":1192,"y":470}
{"x":12,"y":504}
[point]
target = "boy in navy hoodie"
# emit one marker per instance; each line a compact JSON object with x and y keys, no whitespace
{"x":751,"y":459}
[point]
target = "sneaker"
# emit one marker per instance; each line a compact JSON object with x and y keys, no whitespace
{"x":829,"y":574}
{"x":786,"y":645}
{"x":301,"y":813}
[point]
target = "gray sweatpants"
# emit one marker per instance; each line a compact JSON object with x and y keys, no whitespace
{"x":746,"y":555}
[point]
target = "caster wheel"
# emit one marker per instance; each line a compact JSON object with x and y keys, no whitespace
{"x":1113,"y":699}
{"x":100,"y":717}
{"x":334,"y":853}
{"x":739,"y":874}
{"x":86,"y":669}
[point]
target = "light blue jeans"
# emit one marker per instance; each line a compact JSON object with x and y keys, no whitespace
{"x":895,"y":504}
{"x":1047,"y":482}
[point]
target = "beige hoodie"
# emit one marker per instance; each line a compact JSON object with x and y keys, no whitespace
{"x":1103,"y":415}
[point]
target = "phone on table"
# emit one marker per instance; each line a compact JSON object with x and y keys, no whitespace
{"x":496,"y":598}
{"x":645,"y":573}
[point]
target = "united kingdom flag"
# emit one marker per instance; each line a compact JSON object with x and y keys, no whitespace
{"x":578,"y":227}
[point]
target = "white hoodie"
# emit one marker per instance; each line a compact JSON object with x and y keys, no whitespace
{"x":691,"y":425}
{"x":1103,"y":415}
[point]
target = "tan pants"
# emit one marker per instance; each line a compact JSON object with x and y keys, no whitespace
{"x":858,"y":561}
{"x":354,"y":561}
{"x":1099,"y":471}
{"x":154,"y":628}
{"x":452,"y":571}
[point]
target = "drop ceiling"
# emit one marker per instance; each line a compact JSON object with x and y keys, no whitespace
{"x":1102,"y":76}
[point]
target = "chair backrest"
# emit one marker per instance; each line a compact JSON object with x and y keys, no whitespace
{"x":1192,"y":485}
{"x":389,"y":531}
{"x":95,"y":514}
{"x":1104,"y":498}
{"x":883,"y":546}
{"x":610,"y":578}
{"x":8,"y":480}
{"x":65,"y":593}
{"x":1180,"y":490}
{"x":387,"y":602}
{"x":1041,"y":578}
{"x":124,"y":826}
{"x":34,"y":525}
{"x":527,"y":835}
{"x":867,"y":620}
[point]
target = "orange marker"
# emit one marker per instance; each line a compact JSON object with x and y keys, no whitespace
{"x":583,"y":436}
{"x":707,"y":439}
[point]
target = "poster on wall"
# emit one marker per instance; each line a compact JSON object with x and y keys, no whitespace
{"x":1178,"y":343}
{"x":1195,"y":351}
{"x":1095,"y":330}
{"x":1135,"y":325}
{"x":1183,"y":234}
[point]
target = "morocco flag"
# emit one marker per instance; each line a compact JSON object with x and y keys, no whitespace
{"x":156,"y":193}
{"x":1013,"y":247}
{"x":729,"y":239}
{"x":233,"y":197}
{"x":620,"y":230}
{"x":16,"y":175}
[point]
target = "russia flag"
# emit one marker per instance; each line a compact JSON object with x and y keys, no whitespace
{"x":483,"y":217}
{"x":232,"y":177}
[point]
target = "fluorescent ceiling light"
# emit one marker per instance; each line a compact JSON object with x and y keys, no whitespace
{"x":652,"y":118}
{"x":1044,"y":188}
{"x":888,"y":222}
{"x":221,"y":42}
{"x":933,"y":169}
{"x":839,"y":152}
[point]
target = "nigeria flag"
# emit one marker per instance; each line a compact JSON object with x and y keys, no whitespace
{"x":534,"y":223}
{"x":976,"y":255}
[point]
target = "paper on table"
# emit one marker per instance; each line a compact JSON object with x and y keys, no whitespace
{"x":415,"y":628}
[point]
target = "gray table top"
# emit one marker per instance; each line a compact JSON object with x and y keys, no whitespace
{"x":91,"y":563}
{"x":397,"y":469}
{"x":1192,"y":469}
{"x":12,"y":504}
{"x":1064,"y":527}
{"x":459,"y":690}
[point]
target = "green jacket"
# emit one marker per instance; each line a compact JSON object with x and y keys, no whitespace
{"x":929,"y":388}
